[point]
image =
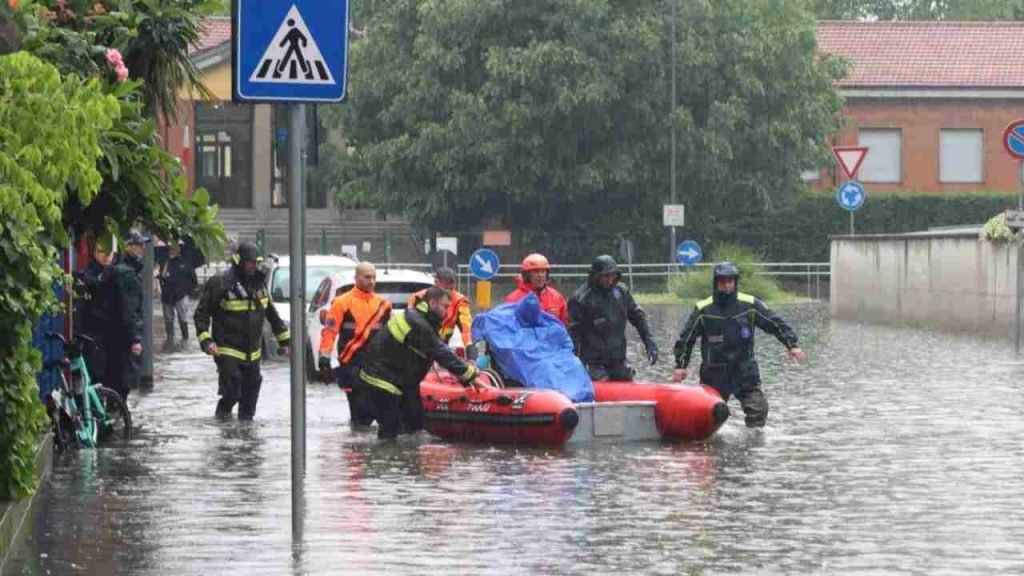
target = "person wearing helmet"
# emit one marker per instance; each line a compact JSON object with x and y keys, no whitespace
{"x":536,"y":278}
{"x":725,"y":324}
{"x":598,"y":312}
{"x":398,"y":358}
{"x":237,"y":304}
{"x":458,"y":315}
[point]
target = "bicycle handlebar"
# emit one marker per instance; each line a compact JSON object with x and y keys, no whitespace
{"x":58,"y":336}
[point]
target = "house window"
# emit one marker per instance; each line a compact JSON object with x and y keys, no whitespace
{"x":960,"y":156}
{"x":884,"y":161}
{"x":223,"y":145}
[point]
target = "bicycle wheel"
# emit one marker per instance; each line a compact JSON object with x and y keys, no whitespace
{"x":64,"y":437}
{"x":117,"y":426}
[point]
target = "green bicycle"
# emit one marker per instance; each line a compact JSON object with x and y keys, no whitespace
{"x":84,"y":413}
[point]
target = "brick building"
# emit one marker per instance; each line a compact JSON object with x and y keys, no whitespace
{"x":930,"y":100}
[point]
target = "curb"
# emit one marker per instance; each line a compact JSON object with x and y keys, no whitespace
{"x":15,"y":516}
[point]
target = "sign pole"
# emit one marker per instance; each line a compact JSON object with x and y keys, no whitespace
{"x":296,"y":216}
{"x":852,"y":231}
{"x":672,"y":129}
{"x":1020,"y":266}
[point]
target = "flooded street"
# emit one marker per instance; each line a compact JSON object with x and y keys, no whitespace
{"x":894,"y":451}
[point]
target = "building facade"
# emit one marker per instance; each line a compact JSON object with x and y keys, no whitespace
{"x":930,"y":101}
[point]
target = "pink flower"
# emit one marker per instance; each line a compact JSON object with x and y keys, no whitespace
{"x":122,"y":72}
{"x":114,"y":57}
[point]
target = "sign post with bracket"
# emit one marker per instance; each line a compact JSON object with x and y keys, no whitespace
{"x":850,"y":194}
{"x":291,"y":52}
{"x":1013,"y":143}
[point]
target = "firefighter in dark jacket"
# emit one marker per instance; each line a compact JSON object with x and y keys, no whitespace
{"x":598,"y":313}
{"x":236,"y":302}
{"x":725,"y":324}
{"x":400,"y":356}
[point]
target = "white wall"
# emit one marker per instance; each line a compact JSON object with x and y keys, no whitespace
{"x":950,"y":281}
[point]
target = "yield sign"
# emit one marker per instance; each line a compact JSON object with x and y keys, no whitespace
{"x":850,"y":158}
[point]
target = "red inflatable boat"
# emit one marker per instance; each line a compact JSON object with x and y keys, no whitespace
{"x":681,"y":412}
{"x":534,"y":416}
{"x":519,"y":415}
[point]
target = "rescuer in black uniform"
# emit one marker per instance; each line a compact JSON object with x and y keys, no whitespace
{"x":237,"y":303}
{"x":725,"y":324}
{"x":598,"y":313}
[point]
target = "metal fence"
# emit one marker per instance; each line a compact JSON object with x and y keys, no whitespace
{"x":804,"y":277}
{"x":808,"y":278}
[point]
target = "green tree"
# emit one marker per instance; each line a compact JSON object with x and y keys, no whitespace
{"x":142,"y":184}
{"x":50,"y":132}
{"x":78,"y":153}
{"x":554,"y":114}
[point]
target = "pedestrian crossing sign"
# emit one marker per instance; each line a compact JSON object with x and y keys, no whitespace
{"x":290,"y":50}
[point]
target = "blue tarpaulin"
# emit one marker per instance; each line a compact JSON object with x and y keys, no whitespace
{"x":533,"y":348}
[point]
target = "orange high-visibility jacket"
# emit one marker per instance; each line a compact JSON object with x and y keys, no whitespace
{"x":458,"y":315}
{"x":551,"y":301}
{"x":353,"y":319}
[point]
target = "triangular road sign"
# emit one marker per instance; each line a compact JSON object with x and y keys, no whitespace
{"x":293,"y":56}
{"x":850,"y":158}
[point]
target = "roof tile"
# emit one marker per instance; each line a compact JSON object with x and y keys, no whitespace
{"x":927,"y":54}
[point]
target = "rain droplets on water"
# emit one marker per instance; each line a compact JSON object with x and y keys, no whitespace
{"x":895,"y":451}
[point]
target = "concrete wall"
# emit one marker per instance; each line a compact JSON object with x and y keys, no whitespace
{"x":949,"y":281}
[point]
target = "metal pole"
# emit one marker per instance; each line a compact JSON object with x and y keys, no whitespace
{"x":672,"y":130}
{"x":146,"y":374}
{"x":629,"y":263}
{"x":1020,"y":267}
{"x":296,"y":218}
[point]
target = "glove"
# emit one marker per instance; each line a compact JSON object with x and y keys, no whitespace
{"x":469,"y":376}
{"x":652,"y":352}
{"x":324,"y":363}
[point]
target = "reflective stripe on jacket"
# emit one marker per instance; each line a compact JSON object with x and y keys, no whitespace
{"x":354,"y":318}
{"x":399,"y":357}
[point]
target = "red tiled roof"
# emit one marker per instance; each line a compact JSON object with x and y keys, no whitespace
{"x":216,"y":30}
{"x":927,"y":54}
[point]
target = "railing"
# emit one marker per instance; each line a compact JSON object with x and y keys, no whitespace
{"x":655,"y":277}
{"x":648,"y":277}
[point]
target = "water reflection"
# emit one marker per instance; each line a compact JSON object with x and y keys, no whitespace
{"x":893,"y":451}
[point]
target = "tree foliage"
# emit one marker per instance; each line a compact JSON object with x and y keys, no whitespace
{"x":78,"y":154}
{"x":142,"y":184}
{"x":50,"y":141}
{"x":554,"y":115}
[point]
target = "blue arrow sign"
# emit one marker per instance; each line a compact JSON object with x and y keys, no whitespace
{"x":290,"y":50}
{"x":689,"y":253}
{"x":484,"y":264}
{"x":851,"y":195}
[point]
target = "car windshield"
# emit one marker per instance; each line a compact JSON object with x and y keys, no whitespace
{"x":397,"y":293}
{"x":280,"y":288}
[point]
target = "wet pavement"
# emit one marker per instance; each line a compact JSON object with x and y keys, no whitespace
{"x":895,"y":451}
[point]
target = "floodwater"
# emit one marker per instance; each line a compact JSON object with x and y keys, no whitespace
{"x":895,"y":451}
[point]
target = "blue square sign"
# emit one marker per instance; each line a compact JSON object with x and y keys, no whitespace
{"x":290,"y":50}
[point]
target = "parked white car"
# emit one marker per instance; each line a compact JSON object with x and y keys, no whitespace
{"x":397,"y":286}
{"x":279,"y":285}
